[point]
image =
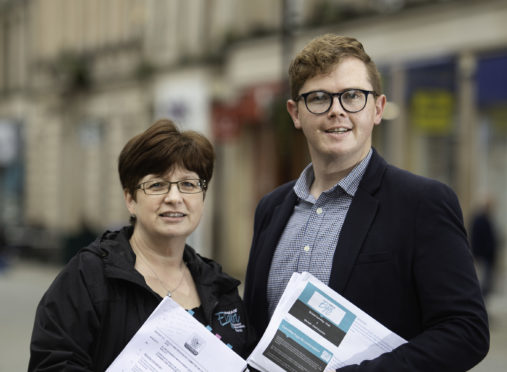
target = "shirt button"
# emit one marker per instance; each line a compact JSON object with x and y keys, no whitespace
{"x":319,"y":210}
{"x":306,"y":248}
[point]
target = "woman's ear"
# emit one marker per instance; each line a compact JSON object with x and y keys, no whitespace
{"x":130,"y":202}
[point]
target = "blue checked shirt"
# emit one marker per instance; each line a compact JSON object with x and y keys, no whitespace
{"x":312,"y":232}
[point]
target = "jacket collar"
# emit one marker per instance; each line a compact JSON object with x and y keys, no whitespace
{"x":119,"y":260}
{"x":360,"y":216}
{"x":117,"y":255}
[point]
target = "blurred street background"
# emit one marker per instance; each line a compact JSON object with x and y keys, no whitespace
{"x":78,"y":78}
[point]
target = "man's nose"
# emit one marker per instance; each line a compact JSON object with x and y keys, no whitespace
{"x":336,"y":106}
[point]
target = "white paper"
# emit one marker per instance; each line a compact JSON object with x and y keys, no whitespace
{"x":315,"y":329}
{"x":173,"y":340}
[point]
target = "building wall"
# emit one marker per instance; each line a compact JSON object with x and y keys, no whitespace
{"x":81,"y":77}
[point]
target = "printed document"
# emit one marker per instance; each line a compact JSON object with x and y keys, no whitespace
{"x":315,"y":329}
{"x":173,"y":340}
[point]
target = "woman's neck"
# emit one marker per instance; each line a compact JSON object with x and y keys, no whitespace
{"x":166,"y":253}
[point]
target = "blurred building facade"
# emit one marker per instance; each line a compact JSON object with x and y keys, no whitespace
{"x":78,"y":78}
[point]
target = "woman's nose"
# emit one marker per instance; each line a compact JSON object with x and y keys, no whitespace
{"x":173,"y":194}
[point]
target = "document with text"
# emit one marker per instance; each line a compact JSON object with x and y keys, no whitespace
{"x":315,"y":329}
{"x":171,"y":339}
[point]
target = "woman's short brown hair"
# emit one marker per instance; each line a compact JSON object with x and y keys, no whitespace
{"x":321,"y":54}
{"x":159,"y":149}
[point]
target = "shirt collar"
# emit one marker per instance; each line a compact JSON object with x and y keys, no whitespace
{"x":349,"y":184}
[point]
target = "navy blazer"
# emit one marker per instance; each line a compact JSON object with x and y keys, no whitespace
{"x":403,"y":258}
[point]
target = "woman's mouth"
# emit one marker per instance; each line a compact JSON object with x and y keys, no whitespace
{"x":172,"y":214}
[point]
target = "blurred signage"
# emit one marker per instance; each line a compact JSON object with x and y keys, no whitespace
{"x":225,"y":121}
{"x":8,"y":143}
{"x":432,"y":111}
{"x":183,"y":98}
{"x":250,"y":108}
{"x":492,"y":80}
{"x":498,"y":116}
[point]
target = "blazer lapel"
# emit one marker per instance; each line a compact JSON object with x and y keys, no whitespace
{"x":355,"y":228}
{"x":271,"y":235}
{"x":359,"y":219}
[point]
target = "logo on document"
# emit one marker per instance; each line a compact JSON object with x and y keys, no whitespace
{"x":326,"y":307}
{"x":195,"y":344}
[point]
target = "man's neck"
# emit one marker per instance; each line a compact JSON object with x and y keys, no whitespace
{"x":329,"y":172}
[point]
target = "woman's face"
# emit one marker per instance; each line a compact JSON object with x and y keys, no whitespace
{"x":171,"y":215}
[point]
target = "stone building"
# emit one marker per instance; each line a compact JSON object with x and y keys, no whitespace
{"x":80,"y":77}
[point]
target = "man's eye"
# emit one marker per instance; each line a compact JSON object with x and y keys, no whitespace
{"x":352,"y":95}
{"x":317,"y":97}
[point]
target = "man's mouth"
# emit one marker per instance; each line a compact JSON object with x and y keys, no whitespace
{"x":337,"y":130}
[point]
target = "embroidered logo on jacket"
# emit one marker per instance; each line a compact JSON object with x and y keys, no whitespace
{"x":232,"y":318}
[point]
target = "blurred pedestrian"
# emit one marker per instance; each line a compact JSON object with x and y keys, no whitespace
{"x":4,"y":256}
{"x":484,"y":244}
{"x":109,"y":288}
{"x":391,"y":242}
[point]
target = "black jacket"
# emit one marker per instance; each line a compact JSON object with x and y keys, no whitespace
{"x":99,"y":301}
{"x":403,"y":258}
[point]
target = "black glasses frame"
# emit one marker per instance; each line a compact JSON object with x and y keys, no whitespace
{"x":339,"y":95}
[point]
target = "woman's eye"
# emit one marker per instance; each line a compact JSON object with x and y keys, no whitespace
{"x":189,"y":184}
{"x":156,"y":185}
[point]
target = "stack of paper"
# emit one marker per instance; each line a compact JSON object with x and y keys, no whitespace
{"x":173,"y":340}
{"x":313,"y":328}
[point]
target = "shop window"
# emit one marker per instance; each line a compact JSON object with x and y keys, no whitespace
{"x":431,"y":101}
{"x":491,"y":135}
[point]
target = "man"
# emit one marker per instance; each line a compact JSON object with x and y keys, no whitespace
{"x":391,"y":242}
{"x":484,"y":242}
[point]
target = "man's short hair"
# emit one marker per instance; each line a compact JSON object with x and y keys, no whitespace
{"x":321,"y":54}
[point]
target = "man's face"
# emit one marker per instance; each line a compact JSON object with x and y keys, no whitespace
{"x":338,"y":134}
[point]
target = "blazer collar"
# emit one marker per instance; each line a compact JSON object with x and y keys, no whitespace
{"x":374,"y":172}
{"x":359,"y":219}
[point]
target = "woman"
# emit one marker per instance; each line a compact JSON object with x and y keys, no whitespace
{"x":107,"y":291}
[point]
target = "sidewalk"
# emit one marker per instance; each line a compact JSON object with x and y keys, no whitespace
{"x":22,"y":286}
{"x":496,"y":360}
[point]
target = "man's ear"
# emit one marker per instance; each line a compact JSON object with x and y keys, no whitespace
{"x":292,"y":109}
{"x":380,"y":104}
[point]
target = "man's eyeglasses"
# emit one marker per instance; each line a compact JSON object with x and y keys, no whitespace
{"x":157,"y":187}
{"x":320,"y":101}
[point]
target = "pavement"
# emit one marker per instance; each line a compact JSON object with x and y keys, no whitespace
{"x":496,"y":360}
{"x":21,"y":287}
{"x":23,"y":284}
